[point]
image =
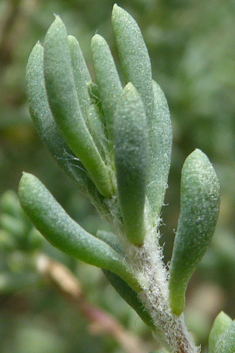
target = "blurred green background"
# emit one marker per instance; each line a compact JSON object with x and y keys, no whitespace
{"x":192,"y":48}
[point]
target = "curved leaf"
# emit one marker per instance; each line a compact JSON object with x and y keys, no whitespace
{"x":221,"y":323}
{"x":160,"y":144}
{"x":64,"y":233}
{"x":97,"y":130}
{"x":81,"y":74}
{"x":131,"y":161}
{"x":109,"y":84}
{"x":45,"y":123}
{"x":50,"y":133}
{"x":64,"y":104}
{"x":130,"y":296}
{"x":226,"y":342}
{"x":112,"y":240}
{"x":199,"y":208}
{"x":134,"y":56}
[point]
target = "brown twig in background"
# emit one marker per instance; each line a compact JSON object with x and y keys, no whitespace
{"x":13,"y":25}
{"x":7,"y":23}
{"x":101,"y":322}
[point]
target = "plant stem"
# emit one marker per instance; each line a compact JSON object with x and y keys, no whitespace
{"x":100,"y":321}
{"x":153,"y":276}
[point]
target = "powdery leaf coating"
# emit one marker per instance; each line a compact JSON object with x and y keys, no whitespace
{"x":131,"y":161}
{"x":221,"y":323}
{"x":160,"y":144}
{"x":199,"y":208}
{"x":44,"y":121}
{"x":64,"y":104}
{"x":226,"y":342}
{"x":134,"y":55}
{"x":107,"y":77}
{"x":81,"y":74}
{"x":64,"y":233}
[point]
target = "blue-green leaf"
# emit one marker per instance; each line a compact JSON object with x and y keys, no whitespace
{"x":64,"y":104}
{"x":131,"y":161}
{"x":134,"y":56}
{"x":112,"y":240}
{"x":50,"y":133}
{"x":45,"y":123}
{"x":199,"y":208}
{"x":81,"y":74}
{"x":226,"y":341}
{"x":221,"y":323}
{"x":130,"y":296}
{"x":107,"y":78}
{"x":160,"y":144}
{"x":64,"y":233}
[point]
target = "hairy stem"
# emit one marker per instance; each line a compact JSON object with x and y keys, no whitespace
{"x":152,"y":275}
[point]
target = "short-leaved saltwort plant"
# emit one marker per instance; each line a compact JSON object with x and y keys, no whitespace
{"x":115,"y":143}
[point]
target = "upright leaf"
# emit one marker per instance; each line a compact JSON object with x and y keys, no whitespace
{"x":64,"y":233}
{"x":221,"y":323}
{"x":160,"y":144}
{"x":131,"y":161}
{"x":81,"y":74}
{"x":109,"y":84}
{"x":134,"y":56}
{"x":64,"y":104}
{"x":50,"y":133}
{"x":199,"y":208}
{"x":45,"y":123}
{"x":226,"y":342}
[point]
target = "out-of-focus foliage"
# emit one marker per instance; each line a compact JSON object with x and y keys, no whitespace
{"x":192,"y":49}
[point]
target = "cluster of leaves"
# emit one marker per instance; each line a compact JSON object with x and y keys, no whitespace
{"x":194,"y":78}
{"x":119,"y":143}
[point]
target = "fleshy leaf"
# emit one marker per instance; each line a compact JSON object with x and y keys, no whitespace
{"x":81,"y":74}
{"x":64,"y":233}
{"x":134,"y":56}
{"x":64,"y":104}
{"x":109,"y":84}
{"x":199,"y":208}
{"x":131,"y":161}
{"x":45,"y":123}
{"x":112,"y":240}
{"x":97,"y":130}
{"x":221,"y":323}
{"x":50,"y":133}
{"x":160,"y":144}
{"x":130,"y":296}
{"x":226,"y":341}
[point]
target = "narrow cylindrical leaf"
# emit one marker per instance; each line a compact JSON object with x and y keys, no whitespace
{"x":50,"y":133}
{"x":64,"y":233}
{"x":97,"y":130}
{"x":160,"y":144}
{"x":107,"y":78}
{"x":131,"y":161}
{"x":221,"y":323}
{"x":81,"y":74}
{"x":226,"y":342}
{"x":134,"y":56}
{"x":94,"y":94}
{"x":45,"y":123}
{"x":130,"y":296}
{"x":112,"y":240}
{"x":64,"y":104}
{"x":199,"y":208}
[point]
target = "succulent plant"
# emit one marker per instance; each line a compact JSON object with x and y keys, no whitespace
{"x":115,"y":143}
